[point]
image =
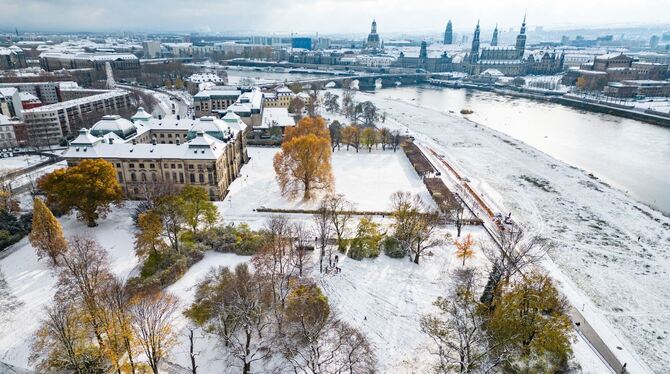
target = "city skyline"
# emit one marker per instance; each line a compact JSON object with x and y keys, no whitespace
{"x":321,"y":16}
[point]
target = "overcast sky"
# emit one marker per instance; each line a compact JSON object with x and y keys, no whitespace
{"x":324,"y":16}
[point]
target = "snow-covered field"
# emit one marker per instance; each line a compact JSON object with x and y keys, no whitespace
{"x":366,"y":179}
{"x":613,"y":252}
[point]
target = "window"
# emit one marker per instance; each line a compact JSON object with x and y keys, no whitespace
{"x":120,"y":176}
{"x":174,"y":176}
{"x":132,"y":166}
{"x":152,"y":166}
{"x":201,"y":178}
{"x":144,"y":177}
{"x":133,"y":177}
{"x":171,"y":166}
{"x":181,"y":178}
{"x":165,"y":166}
{"x":210,"y":178}
{"x":192,"y":178}
{"x":190,"y":166}
{"x":141,"y":166}
{"x":169,"y":135}
{"x":118,"y":165}
{"x":167,"y":175}
{"x":179,"y":166}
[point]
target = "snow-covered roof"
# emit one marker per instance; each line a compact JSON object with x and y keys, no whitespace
{"x":79,"y":101}
{"x":276,"y":117}
{"x":211,"y":126}
{"x":116,"y":124}
{"x":27,"y":96}
{"x":234,"y":122}
{"x":141,"y":115}
{"x":201,"y":147}
{"x":493,"y":73}
{"x":7,"y":91}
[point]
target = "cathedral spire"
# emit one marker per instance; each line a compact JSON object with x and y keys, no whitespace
{"x":494,"y":39}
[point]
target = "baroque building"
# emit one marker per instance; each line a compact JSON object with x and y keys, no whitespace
{"x":374,"y":43}
{"x":207,"y":152}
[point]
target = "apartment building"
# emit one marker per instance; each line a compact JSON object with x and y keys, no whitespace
{"x":49,"y":124}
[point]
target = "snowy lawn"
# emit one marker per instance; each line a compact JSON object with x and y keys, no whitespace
{"x":366,"y":179}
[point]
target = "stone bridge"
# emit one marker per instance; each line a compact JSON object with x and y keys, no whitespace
{"x":365,"y":81}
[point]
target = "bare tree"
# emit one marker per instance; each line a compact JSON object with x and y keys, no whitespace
{"x":152,"y":317}
{"x":301,"y":236}
{"x":339,"y":209}
{"x":511,"y":255}
{"x":323,"y":229}
{"x":462,"y":345}
{"x":83,"y":276}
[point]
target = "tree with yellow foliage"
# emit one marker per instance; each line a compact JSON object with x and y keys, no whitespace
{"x":89,"y":188}
{"x":464,"y":249}
{"x":149,"y":237}
{"x":351,"y":136}
{"x":303,"y":164}
{"x":308,"y":125}
{"x":7,"y":202}
{"x":47,"y":234}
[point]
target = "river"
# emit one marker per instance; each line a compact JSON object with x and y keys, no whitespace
{"x":630,"y":155}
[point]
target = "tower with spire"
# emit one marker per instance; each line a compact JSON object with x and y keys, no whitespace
{"x":474,"y":51}
{"x":449,"y":34}
{"x":521,"y":40}
{"x":373,"y":42}
{"x":494,"y":39}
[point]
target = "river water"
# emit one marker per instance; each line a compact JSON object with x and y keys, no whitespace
{"x":631,"y":155}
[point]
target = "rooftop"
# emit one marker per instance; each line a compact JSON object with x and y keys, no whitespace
{"x":79,"y":101}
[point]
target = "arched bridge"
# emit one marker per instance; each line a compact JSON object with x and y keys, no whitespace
{"x":365,"y":81}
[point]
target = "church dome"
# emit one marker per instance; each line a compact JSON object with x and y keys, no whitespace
{"x":210,"y":126}
{"x":123,"y":128}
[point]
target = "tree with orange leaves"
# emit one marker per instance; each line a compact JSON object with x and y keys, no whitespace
{"x":303,"y":164}
{"x":308,"y":125}
{"x":464,"y":249}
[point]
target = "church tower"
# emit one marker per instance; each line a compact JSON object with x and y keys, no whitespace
{"x":474,"y":51}
{"x":449,"y":34}
{"x":521,"y":40}
{"x":494,"y":40}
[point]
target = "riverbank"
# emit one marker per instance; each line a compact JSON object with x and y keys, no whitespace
{"x":606,"y":244}
{"x":648,"y":116}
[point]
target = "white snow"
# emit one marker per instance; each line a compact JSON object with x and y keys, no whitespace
{"x":595,"y":227}
{"x":366,"y":179}
{"x":32,"y":283}
{"x":10,"y":164}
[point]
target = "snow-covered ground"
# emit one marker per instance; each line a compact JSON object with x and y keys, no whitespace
{"x":32,"y":284}
{"x":33,"y":176}
{"x":366,"y":179}
{"x":9,"y":164}
{"x":611,"y":249}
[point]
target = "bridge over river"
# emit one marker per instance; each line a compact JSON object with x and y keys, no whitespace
{"x":365,"y":81}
